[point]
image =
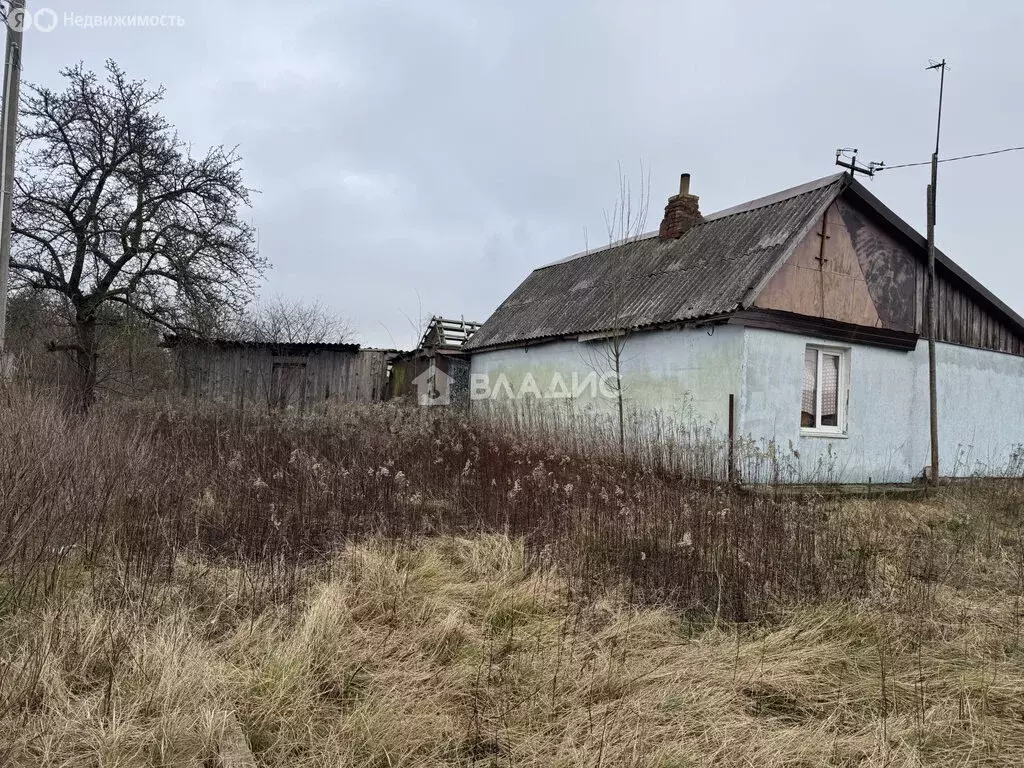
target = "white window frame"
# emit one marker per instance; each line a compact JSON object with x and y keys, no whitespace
{"x":843,"y":393}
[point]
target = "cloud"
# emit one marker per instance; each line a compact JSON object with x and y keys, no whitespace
{"x":417,"y":156}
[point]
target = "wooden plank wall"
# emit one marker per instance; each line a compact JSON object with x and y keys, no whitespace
{"x":963,"y":319}
{"x":239,"y":375}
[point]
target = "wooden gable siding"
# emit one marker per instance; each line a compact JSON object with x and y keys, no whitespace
{"x":239,"y":375}
{"x":823,"y":280}
{"x":871,"y":278}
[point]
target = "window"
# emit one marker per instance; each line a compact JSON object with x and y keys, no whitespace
{"x":823,"y":404}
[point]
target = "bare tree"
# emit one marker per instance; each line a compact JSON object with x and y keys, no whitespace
{"x":624,"y":225}
{"x":294,"y":322}
{"x":112,"y":208}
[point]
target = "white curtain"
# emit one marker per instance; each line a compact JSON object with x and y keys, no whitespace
{"x":808,"y":405}
{"x":830,"y":390}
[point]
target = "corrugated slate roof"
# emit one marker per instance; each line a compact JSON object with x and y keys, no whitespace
{"x":277,"y":347}
{"x":648,"y":281}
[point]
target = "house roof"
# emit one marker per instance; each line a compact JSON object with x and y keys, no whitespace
{"x":713,"y":270}
{"x":649,"y":281}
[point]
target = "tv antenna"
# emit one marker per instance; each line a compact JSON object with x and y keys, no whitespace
{"x":849,"y":154}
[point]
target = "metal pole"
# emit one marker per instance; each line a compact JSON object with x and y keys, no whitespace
{"x":932,"y":300}
{"x":12,"y":88}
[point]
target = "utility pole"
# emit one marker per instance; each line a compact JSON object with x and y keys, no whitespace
{"x":12,"y":86}
{"x":932,"y":302}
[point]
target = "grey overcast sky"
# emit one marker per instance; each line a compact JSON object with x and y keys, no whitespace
{"x":422,"y":156}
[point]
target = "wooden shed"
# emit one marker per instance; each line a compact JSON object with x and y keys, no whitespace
{"x":437,"y":371}
{"x":278,"y":375}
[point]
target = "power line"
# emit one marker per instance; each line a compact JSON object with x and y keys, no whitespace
{"x":950,"y":159}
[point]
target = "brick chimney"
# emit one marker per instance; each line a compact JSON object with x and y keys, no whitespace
{"x":682,"y":212}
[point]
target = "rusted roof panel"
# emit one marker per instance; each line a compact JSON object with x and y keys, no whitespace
{"x":649,"y":281}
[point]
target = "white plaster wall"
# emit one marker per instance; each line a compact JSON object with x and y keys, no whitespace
{"x":687,"y":376}
{"x":683,"y":374}
{"x":980,"y":401}
{"x":879,"y":445}
{"x":981,"y":409}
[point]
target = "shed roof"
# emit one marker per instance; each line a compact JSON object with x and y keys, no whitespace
{"x":713,"y":270}
{"x":277,"y":348}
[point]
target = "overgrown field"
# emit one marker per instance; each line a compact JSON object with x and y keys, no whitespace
{"x":387,"y":586}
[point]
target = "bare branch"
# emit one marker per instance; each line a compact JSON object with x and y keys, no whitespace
{"x":605,"y":354}
{"x":293,"y":322}
{"x":112,"y":207}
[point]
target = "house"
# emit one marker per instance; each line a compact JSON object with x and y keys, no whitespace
{"x":804,"y":309}
{"x":437,"y":371}
{"x":278,"y":375}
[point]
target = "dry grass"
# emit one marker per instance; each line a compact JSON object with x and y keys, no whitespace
{"x":180,"y":589}
{"x":453,"y":652}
